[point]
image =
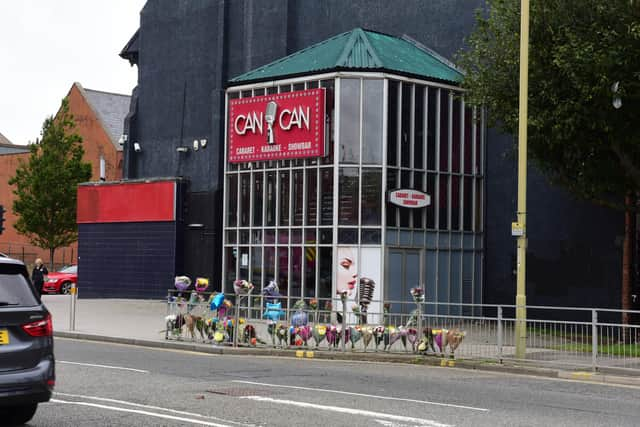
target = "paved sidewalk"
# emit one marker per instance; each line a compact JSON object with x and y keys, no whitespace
{"x":141,"y":322}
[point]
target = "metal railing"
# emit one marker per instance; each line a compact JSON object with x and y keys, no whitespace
{"x":587,"y":338}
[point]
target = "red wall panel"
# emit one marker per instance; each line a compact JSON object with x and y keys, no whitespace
{"x":127,"y":202}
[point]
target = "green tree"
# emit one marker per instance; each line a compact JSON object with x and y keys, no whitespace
{"x":46,"y":185}
{"x":583,"y":55}
{"x":578,"y":51}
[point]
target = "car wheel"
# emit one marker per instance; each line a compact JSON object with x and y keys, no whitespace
{"x":18,"y":415}
{"x":65,"y":288}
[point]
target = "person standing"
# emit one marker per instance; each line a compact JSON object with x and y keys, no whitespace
{"x":38,"y":274}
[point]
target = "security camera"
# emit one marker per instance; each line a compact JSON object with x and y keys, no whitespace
{"x":136,"y":147}
{"x":123,"y":139}
{"x":196,"y":145}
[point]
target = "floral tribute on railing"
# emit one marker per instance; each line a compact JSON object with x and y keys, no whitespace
{"x":309,"y":323}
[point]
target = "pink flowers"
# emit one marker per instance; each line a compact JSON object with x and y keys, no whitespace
{"x":242,"y":287}
{"x":417,"y":294}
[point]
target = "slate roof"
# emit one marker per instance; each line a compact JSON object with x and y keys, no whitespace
{"x":4,"y":139}
{"x":362,"y":50}
{"x":111,"y":109}
{"x":6,"y":147}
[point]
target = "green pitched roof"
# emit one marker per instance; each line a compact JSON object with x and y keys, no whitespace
{"x":358,"y":50}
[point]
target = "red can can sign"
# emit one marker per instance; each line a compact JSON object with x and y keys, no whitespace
{"x":408,"y":198}
{"x":280,"y":126}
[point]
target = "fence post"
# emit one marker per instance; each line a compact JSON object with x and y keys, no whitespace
{"x":594,"y":339}
{"x":72,"y":314}
{"x":500,"y":334}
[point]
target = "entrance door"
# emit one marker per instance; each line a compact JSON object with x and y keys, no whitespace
{"x":404,"y":271}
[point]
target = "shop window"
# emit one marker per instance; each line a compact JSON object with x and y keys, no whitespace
{"x":283,"y":200}
{"x":348,"y":236}
{"x":258,"y":197}
{"x":349,"y":121}
{"x":310,"y":236}
{"x":392,"y":210}
{"x":418,"y":128}
{"x":468,"y":141}
{"x":271,"y":196}
{"x":348,"y":198}
{"x":298,"y":86}
{"x":295,"y":282}
{"x":258,"y":92}
{"x":230,"y":256}
{"x":371,"y":196}
{"x":312,"y":85}
{"x":269,"y":264}
{"x":325,"y":273}
{"x":233,"y":95}
{"x":392,"y":124}
{"x":269,"y":236}
{"x":405,"y":213}
{"x":244,"y":237}
{"x":272,"y":90}
{"x":431,"y":191}
{"x":257,"y":237}
{"x":283,"y":236}
{"x":283,"y":271}
{"x":247,"y":93}
{"x":231,"y":237}
{"x":444,"y":130}
{"x":311,"y":188}
{"x":478,"y":206}
{"x":432,"y":114}
{"x":326,"y":196}
{"x":372,"y":109}
{"x":467,"y":205}
{"x":370,"y":236}
{"x":256,"y":268}
{"x":232,"y":200}
{"x":296,"y":235}
{"x":326,"y":236}
{"x":455,"y":202}
{"x":309,"y":261}
{"x":243,"y":263}
{"x":418,"y":213}
{"x":285,"y":88}
{"x":405,"y":125}
{"x":443,"y":194}
{"x":455,"y":135}
{"x":478,"y":144}
{"x":298,"y":197}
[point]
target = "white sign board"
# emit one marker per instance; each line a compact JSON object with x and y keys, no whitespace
{"x":409,"y":198}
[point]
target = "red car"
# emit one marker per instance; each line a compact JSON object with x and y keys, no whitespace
{"x":59,"y":282}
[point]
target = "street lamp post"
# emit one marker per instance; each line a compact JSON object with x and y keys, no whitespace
{"x":520,"y":228}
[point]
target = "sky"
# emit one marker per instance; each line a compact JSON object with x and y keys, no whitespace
{"x":47,"y":45}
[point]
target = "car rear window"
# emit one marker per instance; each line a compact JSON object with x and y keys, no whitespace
{"x":15,"y":290}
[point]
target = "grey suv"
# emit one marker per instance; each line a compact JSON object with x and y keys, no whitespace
{"x":27,"y":367}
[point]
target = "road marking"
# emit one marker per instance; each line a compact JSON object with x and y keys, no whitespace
{"x":102,"y":366}
{"x":137,"y":411}
{"x":426,"y":402}
{"x":350,"y":411}
{"x":139,"y":405}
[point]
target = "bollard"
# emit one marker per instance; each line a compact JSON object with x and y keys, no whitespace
{"x":72,"y":314}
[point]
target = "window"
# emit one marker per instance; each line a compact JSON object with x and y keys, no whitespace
{"x":349,"y":121}
{"x":284,"y":198}
{"x":232,"y":203}
{"x":405,"y":128}
{"x":392,"y":124}
{"x":348,"y":198}
{"x":372,"y":107}
{"x":258,"y":197}
{"x":371,"y":196}
{"x":444,"y":130}
{"x":432,"y":113}
{"x":418,"y":128}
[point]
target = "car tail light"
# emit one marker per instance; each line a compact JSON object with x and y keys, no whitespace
{"x":40,"y":328}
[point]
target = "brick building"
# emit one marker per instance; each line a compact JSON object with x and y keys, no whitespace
{"x":99,"y":117}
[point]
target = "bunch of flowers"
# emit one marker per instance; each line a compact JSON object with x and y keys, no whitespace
{"x":328,"y":306}
{"x":242,"y":287}
{"x":417,"y":294}
{"x":343,"y":295}
{"x":202,"y":284}
{"x":182,"y":283}
{"x":386,"y":308}
{"x":313,"y":304}
{"x":300,"y":305}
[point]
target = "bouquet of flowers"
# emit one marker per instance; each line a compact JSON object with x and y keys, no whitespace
{"x":182,"y":283}
{"x":313,"y":304}
{"x":328,"y":306}
{"x":202,"y":284}
{"x":417,"y":294}
{"x":242,"y":287}
{"x":299,"y":305}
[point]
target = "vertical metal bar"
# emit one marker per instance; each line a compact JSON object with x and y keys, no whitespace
{"x":500,"y":333}
{"x":594,"y":339}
